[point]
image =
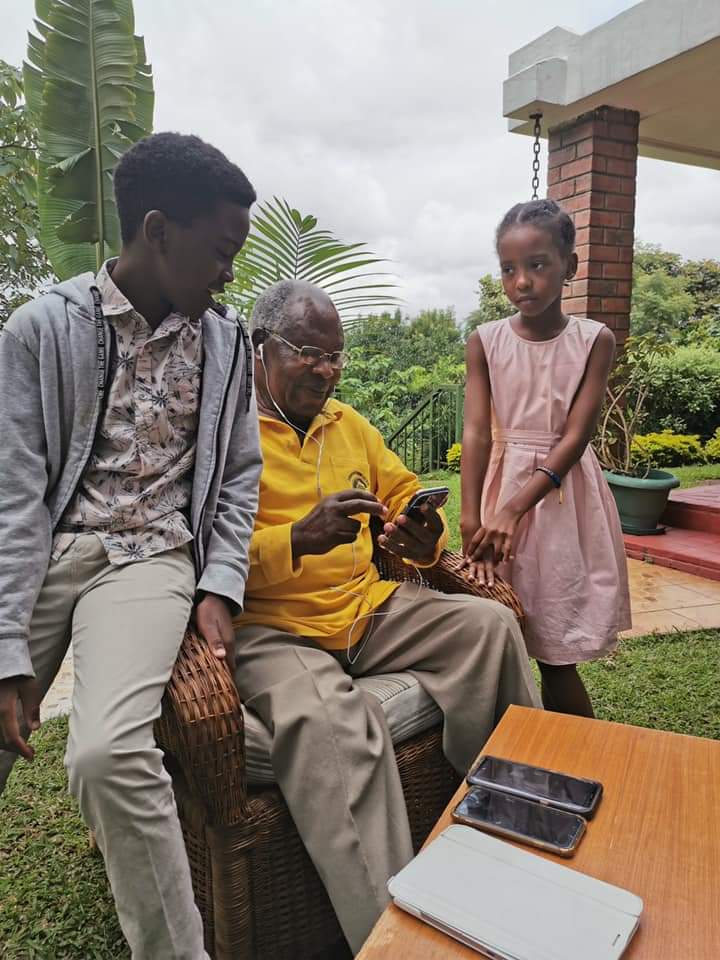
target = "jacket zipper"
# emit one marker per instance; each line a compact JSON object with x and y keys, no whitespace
{"x":100,"y":408}
{"x":197,"y":533}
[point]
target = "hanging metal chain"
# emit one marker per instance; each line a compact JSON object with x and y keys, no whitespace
{"x":537,"y":117}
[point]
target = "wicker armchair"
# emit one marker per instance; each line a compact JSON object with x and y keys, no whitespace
{"x":257,"y":890}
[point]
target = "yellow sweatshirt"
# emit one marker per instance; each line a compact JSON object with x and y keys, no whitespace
{"x":321,"y":596}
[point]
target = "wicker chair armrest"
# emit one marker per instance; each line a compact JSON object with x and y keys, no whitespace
{"x":202,"y":729}
{"x":444,"y":577}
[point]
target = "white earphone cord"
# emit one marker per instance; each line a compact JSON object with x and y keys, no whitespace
{"x":352,"y":593}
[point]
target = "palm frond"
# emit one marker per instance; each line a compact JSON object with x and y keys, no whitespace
{"x":285,"y":245}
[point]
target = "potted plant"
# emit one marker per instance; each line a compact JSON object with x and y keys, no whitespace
{"x":641,"y":491}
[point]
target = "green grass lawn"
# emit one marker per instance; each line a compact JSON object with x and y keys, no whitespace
{"x":54,"y":895}
{"x":694,"y":476}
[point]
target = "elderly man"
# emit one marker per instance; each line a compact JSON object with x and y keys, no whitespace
{"x":317,"y":615}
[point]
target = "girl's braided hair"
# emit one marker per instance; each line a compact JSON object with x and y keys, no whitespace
{"x":545,"y":214}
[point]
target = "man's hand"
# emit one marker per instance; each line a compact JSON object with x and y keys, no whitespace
{"x":412,"y":539}
{"x":331,"y":522}
{"x":214,"y":623}
{"x":27,"y":691}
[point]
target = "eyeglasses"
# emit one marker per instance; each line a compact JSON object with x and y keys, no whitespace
{"x":311,"y":356}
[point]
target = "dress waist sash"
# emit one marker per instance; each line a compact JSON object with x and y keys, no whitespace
{"x":532,"y":439}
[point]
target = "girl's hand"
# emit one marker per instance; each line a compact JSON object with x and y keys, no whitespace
{"x":476,"y":572}
{"x":479,"y":571}
{"x":468,"y":526}
{"x":497,"y":535}
{"x":490,"y":545}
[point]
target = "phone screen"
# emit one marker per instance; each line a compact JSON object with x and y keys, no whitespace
{"x":437,"y":496}
{"x":540,"y":783}
{"x":534,"y":821}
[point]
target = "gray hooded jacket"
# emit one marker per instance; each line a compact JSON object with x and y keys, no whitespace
{"x":51,"y":369}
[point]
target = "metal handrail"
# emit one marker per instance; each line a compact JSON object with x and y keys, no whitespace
{"x":426,"y":433}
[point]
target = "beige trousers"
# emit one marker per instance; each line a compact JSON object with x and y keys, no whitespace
{"x":331,"y":748}
{"x":126,"y":625}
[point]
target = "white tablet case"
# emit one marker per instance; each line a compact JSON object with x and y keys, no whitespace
{"x":512,"y":904}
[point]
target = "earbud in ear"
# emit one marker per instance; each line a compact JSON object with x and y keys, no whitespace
{"x":260,"y":350}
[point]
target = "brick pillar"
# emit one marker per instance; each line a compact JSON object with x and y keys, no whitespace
{"x":592,"y":167}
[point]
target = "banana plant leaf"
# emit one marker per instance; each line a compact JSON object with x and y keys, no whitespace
{"x":89,"y":89}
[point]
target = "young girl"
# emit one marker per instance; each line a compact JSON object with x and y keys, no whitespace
{"x":535,"y":504}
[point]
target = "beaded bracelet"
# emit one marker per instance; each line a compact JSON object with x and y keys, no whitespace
{"x":550,"y":473}
{"x":556,"y":480}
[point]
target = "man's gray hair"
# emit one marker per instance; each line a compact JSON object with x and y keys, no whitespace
{"x":269,"y":309}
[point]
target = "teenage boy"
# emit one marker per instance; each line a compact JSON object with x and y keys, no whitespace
{"x":129,"y":469}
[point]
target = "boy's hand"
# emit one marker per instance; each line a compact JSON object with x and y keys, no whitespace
{"x":27,"y":691}
{"x":413,"y":539}
{"x":214,"y":623}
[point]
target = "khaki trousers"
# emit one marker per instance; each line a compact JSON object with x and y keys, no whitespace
{"x":331,"y":748}
{"x":126,"y":624}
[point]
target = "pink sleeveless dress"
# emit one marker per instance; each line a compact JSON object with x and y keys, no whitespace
{"x":569,"y":567}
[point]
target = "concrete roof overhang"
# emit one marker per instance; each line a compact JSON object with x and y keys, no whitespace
{"x":660,"y":57}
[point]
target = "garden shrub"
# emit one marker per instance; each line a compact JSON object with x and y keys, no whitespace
{"x":667,"y":449}
{"x":712,"y":448}
{"x":685,"y":392}
{"x":663,"y":449}
{"x":453,"y":457}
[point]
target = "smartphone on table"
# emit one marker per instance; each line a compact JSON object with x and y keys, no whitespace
{"x":559,"y":790}
{"x":523,"y":820}
{"x":435,"y":496}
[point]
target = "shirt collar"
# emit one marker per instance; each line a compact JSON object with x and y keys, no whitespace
{"x":331,"y":411}
{"x":115,"y":303}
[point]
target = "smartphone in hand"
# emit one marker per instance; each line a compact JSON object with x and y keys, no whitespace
{"x":435,"y":496}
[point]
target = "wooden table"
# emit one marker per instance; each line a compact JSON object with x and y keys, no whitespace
{"x":656,"y":832}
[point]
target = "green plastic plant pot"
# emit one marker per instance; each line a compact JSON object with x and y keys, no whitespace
{"x":641,"y":501}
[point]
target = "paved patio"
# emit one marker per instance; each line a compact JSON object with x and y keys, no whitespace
{"x":663,"y":600}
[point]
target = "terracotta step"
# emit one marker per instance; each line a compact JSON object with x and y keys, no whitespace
{"x":695,"y":509}
{"x":691,"y":551}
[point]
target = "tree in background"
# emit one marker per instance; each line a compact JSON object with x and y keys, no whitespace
{"x":661,"y":305}
{"x":493,"y":305}
{"x":675,"y":299}
{"x":677,"y":302}
{"x":651,"y":258}
{"x":90,"y":95}
{"x":421,"y":341}
{"x":702,"y":282}
{"x":23,"y":265}
{"x":684,"y":395}
{"x":396,"y":361}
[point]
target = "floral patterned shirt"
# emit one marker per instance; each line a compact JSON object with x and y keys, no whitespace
{"x":135,"y":490}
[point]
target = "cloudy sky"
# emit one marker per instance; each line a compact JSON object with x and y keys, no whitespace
{"x":383,"y":118}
